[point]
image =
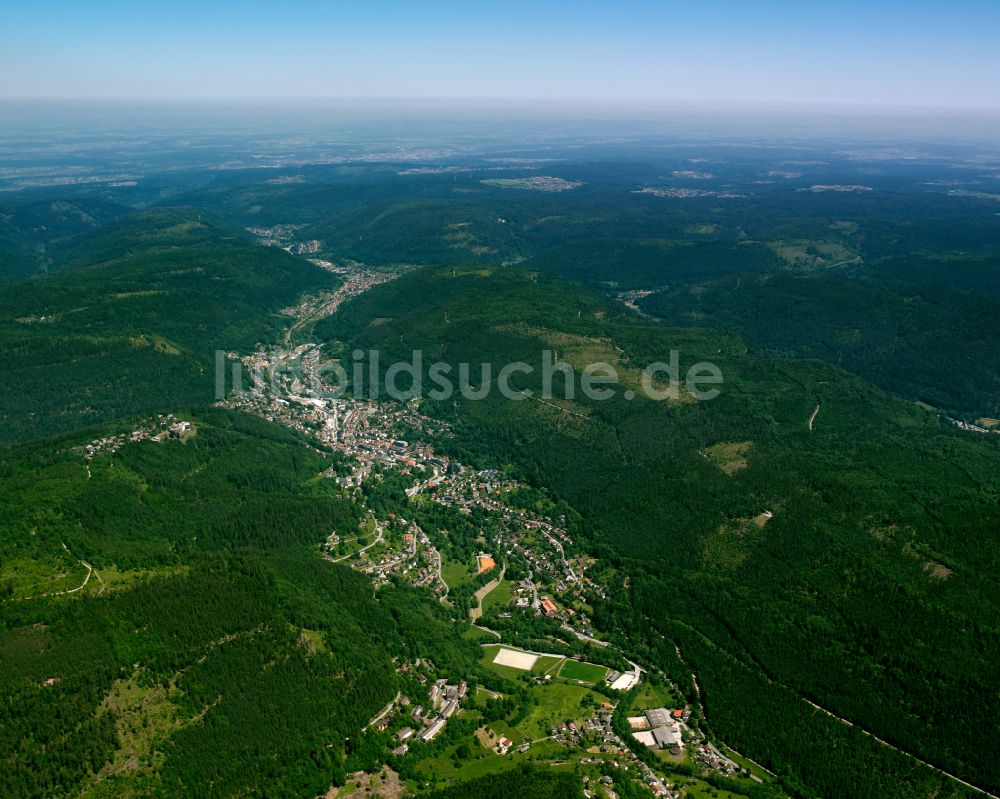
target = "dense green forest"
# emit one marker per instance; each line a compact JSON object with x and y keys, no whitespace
{"x":910,"y":333}
{"x":630,"y":264}
{"x":218,"y":652}
{"x":132,"y":323}
{"x":32,"y":229}
{"x":896,"y":283}
{"x":879,"y":499}
{"x":390,"y":213}
{"x":811,"y":540}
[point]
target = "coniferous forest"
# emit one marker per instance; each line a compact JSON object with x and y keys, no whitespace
{"x":254,"y":592}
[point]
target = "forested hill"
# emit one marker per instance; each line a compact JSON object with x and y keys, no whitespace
{"x":754,"y":529}
{"x":132,"y":322}
{"x":210,"y":651}
{"x":32,"y":228}
{"x":926,"y":329}
{"x":637,"y":264}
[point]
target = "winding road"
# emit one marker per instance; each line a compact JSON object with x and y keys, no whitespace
{"x":378,"y":529}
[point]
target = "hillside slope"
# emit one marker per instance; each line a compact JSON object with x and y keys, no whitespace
{"x":33,"y":227}
{"x":206,"y":649}
{"x":752,"y":522}
{"x":924,"y":334}
{"x":132,"y":324}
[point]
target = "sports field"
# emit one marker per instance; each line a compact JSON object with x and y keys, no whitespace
{"x":517,"y":660}
{"x":578,"y":671}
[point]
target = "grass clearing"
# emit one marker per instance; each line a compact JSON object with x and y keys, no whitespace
{"x":313,"y":640}
{"x":446,"y":768}
{"x":501,"y":596}
{"x":144,"y":719}
{"x":650,"y":696}
{"x":28,"y":577}
{"x":471,"y":633}
{"x":807,"y":254}
{"x":730,"y":456}
{"x":555,"y":703}
{"x":547,"y":664}
{"x":454,"y":573}
{"x":698,"y":789}
{"x":749,"y":765}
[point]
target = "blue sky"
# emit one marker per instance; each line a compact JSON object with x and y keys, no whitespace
{"x":706,"y":51}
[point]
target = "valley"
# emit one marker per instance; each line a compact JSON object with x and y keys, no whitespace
{"x":366,"y":431}
{"x":236,"y":550}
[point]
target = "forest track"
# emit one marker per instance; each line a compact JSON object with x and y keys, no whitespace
{"x":476,"y":612}
{"x":812,"y":418}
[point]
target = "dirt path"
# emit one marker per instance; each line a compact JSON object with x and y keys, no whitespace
{"x":812,"y":418}
{"x":90,"y":572}
{"x":363,"y":549}
{"x":440,"y":579}
{"x":384,"y":711}
{"x":494,"y":633}
{"x":477,"y":611}
{"x":557,"y":407}
{"x":854,"y":260}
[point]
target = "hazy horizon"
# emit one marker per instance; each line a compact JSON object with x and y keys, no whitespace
{"x":899,"y":55}
{"x":319,"y":119}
